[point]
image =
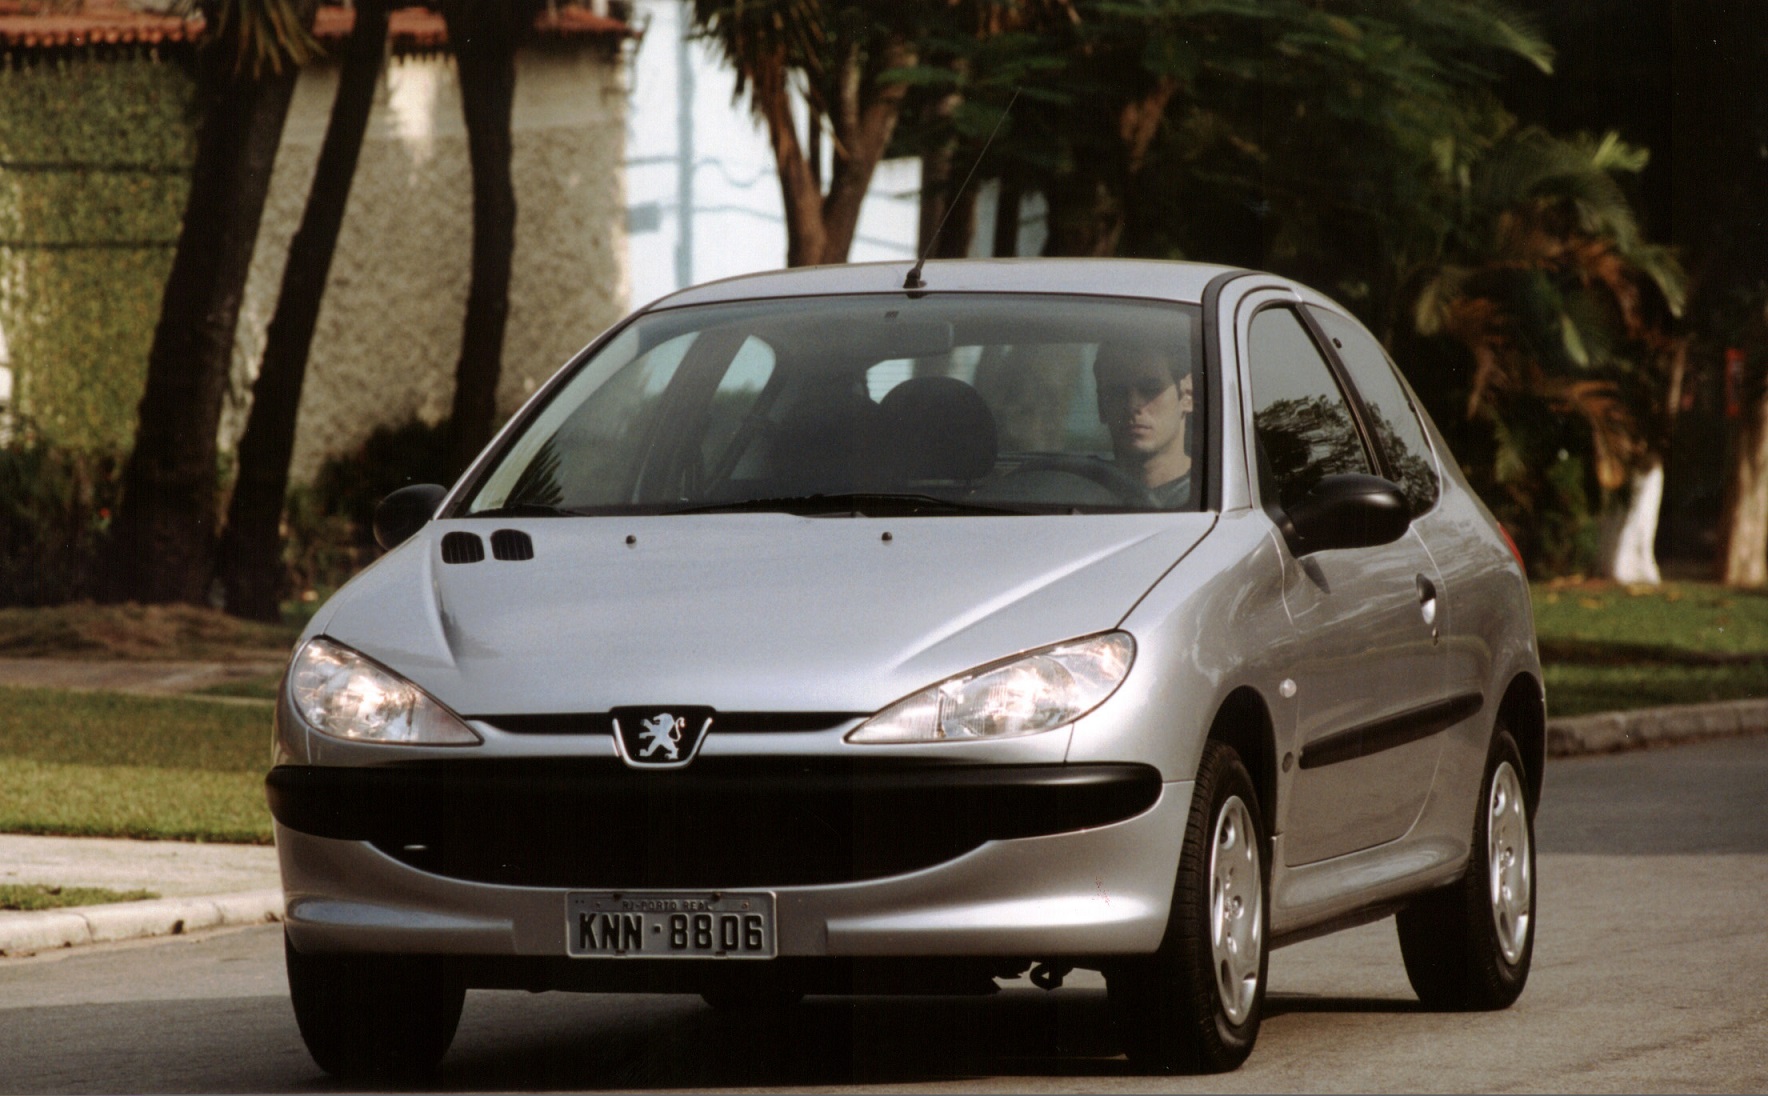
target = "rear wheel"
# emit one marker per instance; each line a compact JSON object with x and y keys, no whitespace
{"x":374,"y":1017}
{"x":1194,"y":1006}
{"x":1468,"y":948}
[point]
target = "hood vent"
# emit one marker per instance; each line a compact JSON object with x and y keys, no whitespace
{"x":512,"y":544}
{"x":462,"y":548}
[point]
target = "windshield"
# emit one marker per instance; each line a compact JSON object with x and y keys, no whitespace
{"x":869,"y":405}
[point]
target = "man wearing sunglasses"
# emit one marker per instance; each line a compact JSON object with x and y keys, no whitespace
{"x":1145,"y":401}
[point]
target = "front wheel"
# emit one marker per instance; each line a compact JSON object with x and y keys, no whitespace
{"x":1194,"y":1006}
{"x":374,"y":1017}
{"x":1468,"y":948}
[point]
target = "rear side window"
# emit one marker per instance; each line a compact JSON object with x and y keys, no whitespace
{"x":1391,"y":414}
{"x":1302,"y":424}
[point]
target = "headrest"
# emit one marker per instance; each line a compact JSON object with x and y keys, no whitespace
{"x":944,"y":427}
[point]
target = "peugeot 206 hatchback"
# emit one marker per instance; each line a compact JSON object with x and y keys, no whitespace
{"x":811,"y":634}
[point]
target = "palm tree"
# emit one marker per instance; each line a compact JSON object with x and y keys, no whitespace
{"x":162,"y":545}
{"x":484,"y":35}
{"x":849,"y":63}
{"x":1562,"y":305}
{"x":251,"y":547}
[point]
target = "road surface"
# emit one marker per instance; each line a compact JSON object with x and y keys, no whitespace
{"x":1651,"y":974}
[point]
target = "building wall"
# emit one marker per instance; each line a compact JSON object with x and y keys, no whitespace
{"x":389,"y":327}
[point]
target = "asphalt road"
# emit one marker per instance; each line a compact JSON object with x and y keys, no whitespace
{"x":1651,"y":974}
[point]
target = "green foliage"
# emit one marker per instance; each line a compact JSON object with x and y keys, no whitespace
{"x":55,"y":507}
{"x":1312,"y":137}
{"x":95,"y":154}
{"x":1544,"y":318}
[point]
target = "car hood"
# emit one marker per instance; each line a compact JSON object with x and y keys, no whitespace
{"x":743,"y":612}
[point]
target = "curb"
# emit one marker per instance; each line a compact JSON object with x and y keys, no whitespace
{"x":27,"y":933}
{"x":1642,"y":728}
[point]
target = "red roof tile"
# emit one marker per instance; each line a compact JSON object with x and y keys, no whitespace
{"x":96,"y":25}
{"x":102,"y":23}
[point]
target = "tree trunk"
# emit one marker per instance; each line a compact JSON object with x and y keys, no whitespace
{"x":864,"y":121}
{"x":1086,"y":218}
{"x":251,"y":548}
{"x":484,"y":35}
{"x":1087,"y":213}
{"x":162,"y":546}
{"x":936,"y":185}
{"x":800,"y":182}
{"x":1007,"y":213}
{"x":1743,"y":533}
{"x":1628,"y":551}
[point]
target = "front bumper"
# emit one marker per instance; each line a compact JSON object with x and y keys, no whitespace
{"x":1064,"y":861}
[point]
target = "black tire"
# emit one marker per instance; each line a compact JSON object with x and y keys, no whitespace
{"x":374,"y":1017}
{"x":1173,"y":1008}
{"x":1468,"y":947}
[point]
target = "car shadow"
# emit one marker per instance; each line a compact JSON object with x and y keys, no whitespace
{"x":676,"y":1042}
{"x":1286,"y":1004}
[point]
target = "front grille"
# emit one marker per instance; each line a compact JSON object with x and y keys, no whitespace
{"x":602,"y":723}
{"x":720,"y":823}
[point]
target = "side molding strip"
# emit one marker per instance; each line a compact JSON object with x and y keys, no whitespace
{"x":1385,"y":734}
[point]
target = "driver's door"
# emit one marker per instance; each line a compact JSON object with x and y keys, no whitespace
{"x":1366,"y":671}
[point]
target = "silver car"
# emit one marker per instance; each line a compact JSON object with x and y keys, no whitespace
{"x":812,"y":634}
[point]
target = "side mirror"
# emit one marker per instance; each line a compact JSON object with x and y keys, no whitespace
{"x":1347,"y":511}
{"x":404,"y":512}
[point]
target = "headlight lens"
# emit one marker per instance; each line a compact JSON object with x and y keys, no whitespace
{"x":342,"y":694}
{"x":1034,"y":692}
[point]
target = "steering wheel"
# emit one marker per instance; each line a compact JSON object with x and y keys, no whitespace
{"x":1105,"y":474}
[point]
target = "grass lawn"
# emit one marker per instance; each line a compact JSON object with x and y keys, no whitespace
{"x":1605,"y":646}
{"x":40,"y":896}
{"x":114,"y":765}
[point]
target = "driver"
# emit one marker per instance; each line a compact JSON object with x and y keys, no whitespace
{"x":1145,"y":401}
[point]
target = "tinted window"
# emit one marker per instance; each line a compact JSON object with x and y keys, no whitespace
{"x":1301,"y":422}
{"x":1391,"y":414}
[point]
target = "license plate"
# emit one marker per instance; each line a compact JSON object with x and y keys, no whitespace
{"x":669,"y":925}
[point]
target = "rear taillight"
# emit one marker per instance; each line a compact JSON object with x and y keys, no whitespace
{"x":1513,"y":549}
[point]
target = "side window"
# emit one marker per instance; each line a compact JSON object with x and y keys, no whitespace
{"x":1302,"y":425}
{"x":1391,"y":414}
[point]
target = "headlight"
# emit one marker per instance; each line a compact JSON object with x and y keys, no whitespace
{"x":1034,"y":692}
{"x":342,"y":694}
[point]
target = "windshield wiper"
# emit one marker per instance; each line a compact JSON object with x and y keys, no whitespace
{"x":856,"y":503}
{"x":525,"y":510}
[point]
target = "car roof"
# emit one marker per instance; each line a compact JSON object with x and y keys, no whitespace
{"x":1153,"y":279}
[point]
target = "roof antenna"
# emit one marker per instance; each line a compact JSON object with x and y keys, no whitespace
{"x":913,"y":281}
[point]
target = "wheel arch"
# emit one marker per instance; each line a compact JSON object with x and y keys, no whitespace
{"x":1524,"y":711}
{"x":1243,"y":721}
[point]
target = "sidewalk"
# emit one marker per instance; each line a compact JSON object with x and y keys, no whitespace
{"x":200,"y":887}
{"x":209,"y":886}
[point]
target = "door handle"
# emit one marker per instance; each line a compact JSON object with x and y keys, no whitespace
{"x":1427,"y":605}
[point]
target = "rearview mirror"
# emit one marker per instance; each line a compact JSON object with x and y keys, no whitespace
{"x":1349,"y":510}
{"x":404,"y":512}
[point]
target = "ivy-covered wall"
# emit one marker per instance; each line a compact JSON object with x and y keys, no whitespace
{"x":95,"y":155}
